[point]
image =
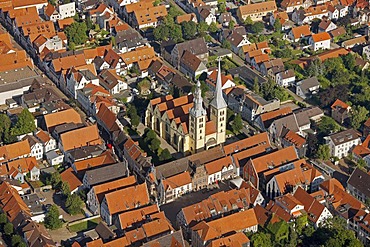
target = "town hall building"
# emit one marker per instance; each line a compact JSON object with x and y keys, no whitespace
{"x":185,"y":123}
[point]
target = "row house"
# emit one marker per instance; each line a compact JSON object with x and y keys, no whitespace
{"x":150,"y":17}
{"x":103,"y":159}
{"x":287,"y":178}
{"x":43,"y":44}
{"x":111,"y":82}
{"x":254,"y":168}
{"x":175,"y":186}
{"x":248,"y":104}
{"x":204,"y":232}
{"x":46,"y":140}
{"x":96,"y":194}
{"x":218,"y":205}
{"x":129,"y":40}
{"x":306,"y":16}
{"x":104,"y":174}
{"x":86,"y":136}
{"x":300,"y":202}
{"x":37,"y":149}
{"x":14,"y":151}
{"x":123,"y":200}
{"x":111,"y":60}
{"x":290,"y":5}
{"x":141,"y":58}
{"x":91,"y":97}
{"x":289,"y":138}
{"x":55,"y":119}
{"x":138,"y":161}
{"x":59,"y":12}
{"x":131,"y":219}
{"x":341,"y":203}
{"x":15,"y":19}
{"x":256,"y":11}
{"x":101,"y":14}
{"x":128,"y":10}
{"x":20,"y":168}
{"x":70,"y":177}
{"x":337,"y":11}
{"x":342,"y":143}
{"x":226,"y":80}
{"x":108,"y":120}
{"x":78,"y":79}
{"x":307,"y":87}
{"x":327,"y":26}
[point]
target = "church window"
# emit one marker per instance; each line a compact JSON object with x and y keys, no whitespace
{"x":201,"y":120}
{"x":200,"y":131}
{"x":222,"y":113}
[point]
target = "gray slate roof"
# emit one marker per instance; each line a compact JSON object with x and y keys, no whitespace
{"x":106,"y":173}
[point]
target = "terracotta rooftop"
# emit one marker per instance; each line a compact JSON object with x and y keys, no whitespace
{"x":177,"y":181}
{"x":62,"y":117}
{"x":319,"y":37}
{"x":70,"y":177}
{"x":14,"y":151}
{"x":128,"y":198}
{"x":127,"y":219}
{"x":86,"y":136}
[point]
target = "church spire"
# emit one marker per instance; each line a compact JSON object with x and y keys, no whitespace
{"x":198,"y":110}
{"x":218,"y":101}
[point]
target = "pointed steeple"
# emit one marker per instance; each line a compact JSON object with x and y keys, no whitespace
{"x":218,"y":101}
{"x":198,"y":110}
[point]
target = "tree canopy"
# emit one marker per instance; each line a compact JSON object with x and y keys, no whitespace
{"x":165,"y":155}
{"x":74,"y":204}
{"x":359,"y":114}
{"x":52,"y":220}
{"x":76,"y":33}
{"x":25,"y":123}
{"x":323,"y":152}
{"x":237,"y":125}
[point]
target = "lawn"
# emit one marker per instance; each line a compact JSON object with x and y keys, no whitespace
{"x":84,"y":226}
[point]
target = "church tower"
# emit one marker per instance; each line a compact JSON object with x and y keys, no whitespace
{"x":197,"y":122}
{"x":218,"y":109}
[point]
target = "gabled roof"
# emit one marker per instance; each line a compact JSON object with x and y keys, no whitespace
{"x":253,"y":8}
{"x":70,"y":177}
{"x":319,"y":37}
{"x":11,"y":202}
{"x":177,"y":181}
{"x":238,"y":239}
{"x":252,"y":141}
{"x":127,"y":219}
{"x":86,"y":136}
{"x":108,"y":118}
{"x":127,"y":199}
{"x":301,"y":31}
{"x":274,"y":159}
{"x":360,"y":180}
{"x":14,"y":150}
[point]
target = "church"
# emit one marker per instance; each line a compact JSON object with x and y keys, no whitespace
{"x":185,"y":123}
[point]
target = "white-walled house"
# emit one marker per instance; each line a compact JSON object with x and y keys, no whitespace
{"x":78,"y":79}
{"x":221,"y":169}
{"x":173,"y":187}
{"x":46,"y":140}
{"x":54,"y":157}
{"x":111,"y":82}
{"x":342,"y":143}
{"x":37,"y":149}
{"x":285,"y":78}
{"x":320,"y":41}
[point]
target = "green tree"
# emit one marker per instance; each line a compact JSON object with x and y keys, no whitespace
{"x":8,"y":229}
{"x":248,"y":21}
{"x":202,"y":28}
{"x":293,"y":238}
{"x":301,"y":223}
{"x":74,"y":204}
{"x":72,"y":46}
{"x":359,"y":115}
{"x":222,"y":7}
{"x":64,"y":188}
{"x":277,"y":25}
{"x":279,"y":230}
{"x":226,"y":44}
{"x":161,"y":33}
{"x":52,"y":220}
{"x":232,"y":24}
{"x":3,"y":219}
{"x":5,"y":123}
{"x":323,"y":152}
{"x":176,"y":33}
{"x":154,"y":144}
{"x":165,"y":155}
{"x":77,"y":32}
{"x":213,"y":27}
{"x":134,"y":117}
{"x":256,"y":86}
{"x":261,"y":239}
{"x":189,"y":29}
{"x":156,"y":2}
{"x":349,"y":61}
{"x":16,"y":240}
{"x":237,"y":125}
{"x":55,"y":180}
{"x":257,"y":27}
{"x":25,"y":123}
{"x":327,"y":126}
